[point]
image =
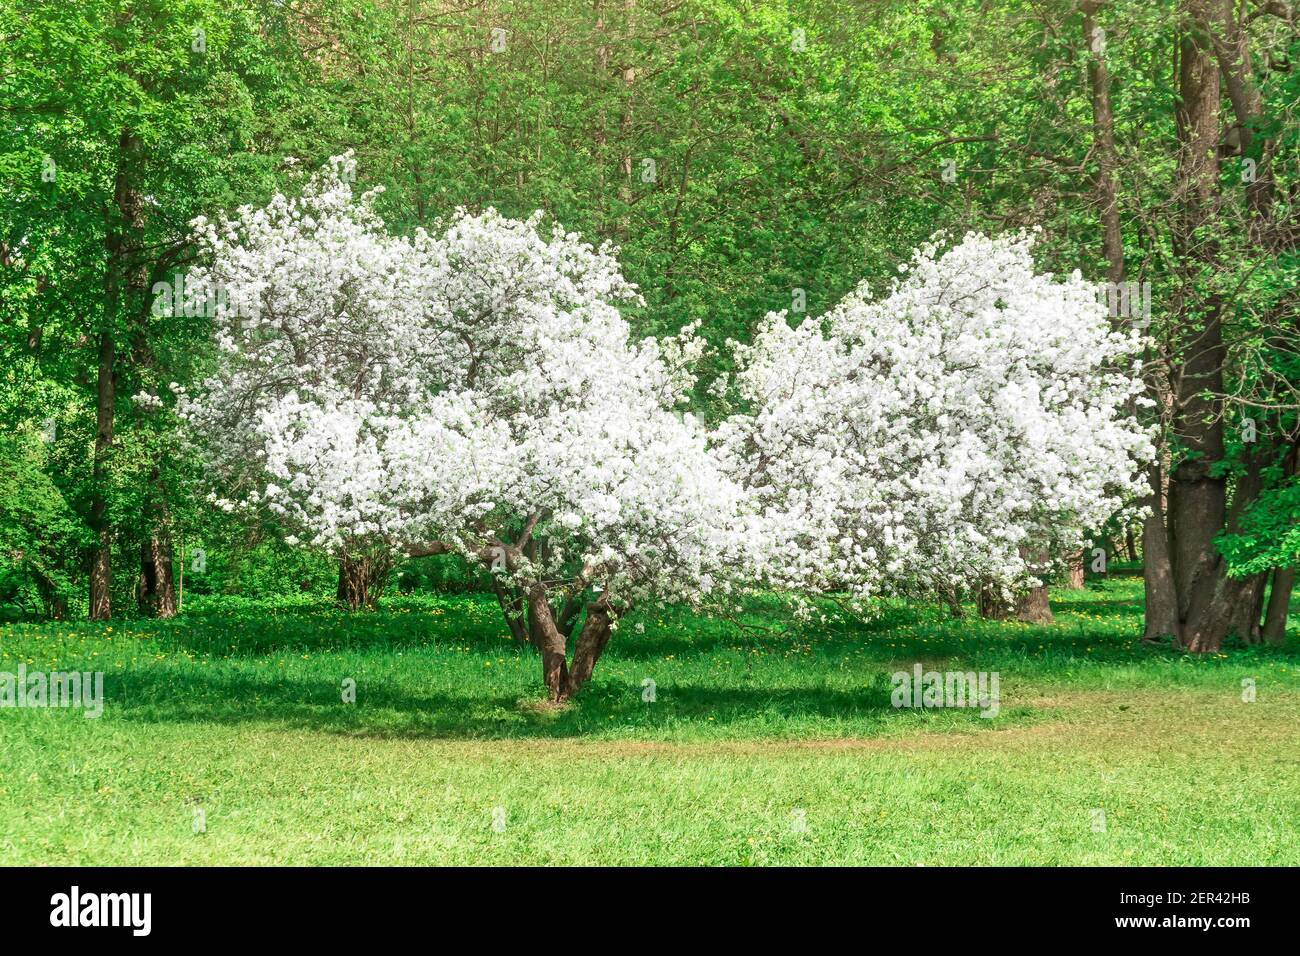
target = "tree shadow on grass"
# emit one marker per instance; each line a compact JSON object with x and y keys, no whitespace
{"x":392,"y":711}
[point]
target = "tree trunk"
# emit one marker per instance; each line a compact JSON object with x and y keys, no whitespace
{"x":1248,"y":606}
{"x":1033,"y":607}
{"x":1074,"y":577}
{"x":361,"y":580}
{"x":122,"y":239}
{"x":591,"y":643}
{"x":1248,"y":600}
{"x":512,"y":606}
{"x":155,"y":595}
{"x":1197,"y":496}
{"x":989,"y":604}
{"x":555,"y":671}
{"x":1103,"y":138}
{"x":1161,"y":618}
{"x":1279,"y":605}
{"x":953,"y":599}
{"x":101,"y":568}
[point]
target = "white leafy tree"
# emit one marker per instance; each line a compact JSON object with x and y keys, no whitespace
{"x":475,"y":391}
{"x":956,"y":432}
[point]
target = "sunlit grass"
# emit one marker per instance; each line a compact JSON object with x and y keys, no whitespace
{"x":236,"y":709}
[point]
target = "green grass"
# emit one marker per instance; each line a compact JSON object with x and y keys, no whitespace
{"x":760,"y":747}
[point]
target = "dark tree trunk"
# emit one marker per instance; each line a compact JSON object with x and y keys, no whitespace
{"x":1247,"y":607}
{"x":1279,"y":605}
{"x":361,"y":580}
{"x":122,"y":240}
{"x":1161,"y":619}
{"x":989,"y":604}
{"x":955,"y":610}
{"x":1197,"y":496}
{"x":101,"y":568}
{"x":1130,"y":545}
{"x":155,"y":594}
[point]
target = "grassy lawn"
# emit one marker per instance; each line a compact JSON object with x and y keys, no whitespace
{"x":759,"y":748}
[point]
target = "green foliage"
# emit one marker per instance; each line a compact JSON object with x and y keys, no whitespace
{"x":735,"y":150}
{"x":40,"y":537}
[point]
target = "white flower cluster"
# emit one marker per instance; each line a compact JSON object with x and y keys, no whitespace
{"x":951,"y":433}
{"x":477,"y":388}
{"x":464,"y":388}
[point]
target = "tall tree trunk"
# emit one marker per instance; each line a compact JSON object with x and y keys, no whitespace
{"x":1197,"y":496}
{"x":1033,"y":607}
{"x":101,"y":568}
{"x":1279,"y":605}
{"x":155,"y":593}
{"x":124,"y":275}
{"x":1103,"y":138}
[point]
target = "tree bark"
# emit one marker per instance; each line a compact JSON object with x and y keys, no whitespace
{"x":101,"y":568}
{"x":123,"y":218}
{"x":989,"y":604}
{"x":1074,"y":577}
{"x":1247,"y":607}
{"x":1033,"y":607}
{"x":1279,"y":605}
{"x":555,"y":671}
{"x":1197,"y":496}
{"x":155,"y":595}
{"x":1103,"y":137}
{"x":361,"y":580}
{"x":592,"y":640}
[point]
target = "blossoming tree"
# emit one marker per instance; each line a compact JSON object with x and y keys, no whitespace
{"x":475,"y":392}
{"x":956,"y":432}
